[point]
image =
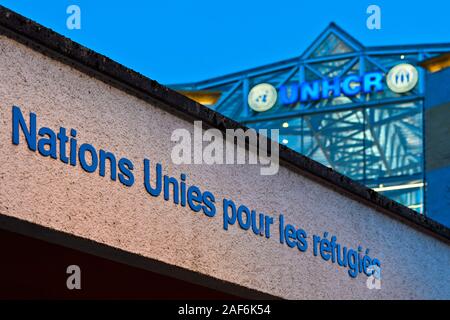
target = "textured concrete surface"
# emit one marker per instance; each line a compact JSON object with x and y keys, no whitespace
{"x":50,"y":193}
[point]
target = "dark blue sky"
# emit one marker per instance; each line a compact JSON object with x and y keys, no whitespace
{"x":182,"y":41}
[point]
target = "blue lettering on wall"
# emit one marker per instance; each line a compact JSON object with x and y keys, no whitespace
{"x":53,"y":145}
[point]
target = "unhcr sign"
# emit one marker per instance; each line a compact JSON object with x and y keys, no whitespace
{"x":331,"y":88}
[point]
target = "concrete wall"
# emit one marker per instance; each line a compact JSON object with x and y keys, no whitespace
{"x":50,"y":193}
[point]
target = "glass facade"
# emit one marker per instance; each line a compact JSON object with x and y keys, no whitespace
{"x":375,"y":138}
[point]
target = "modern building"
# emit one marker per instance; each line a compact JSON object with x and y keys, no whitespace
{"x":374,"y":136}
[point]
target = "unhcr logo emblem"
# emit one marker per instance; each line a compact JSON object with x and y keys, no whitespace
{"x":402,"y":78}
